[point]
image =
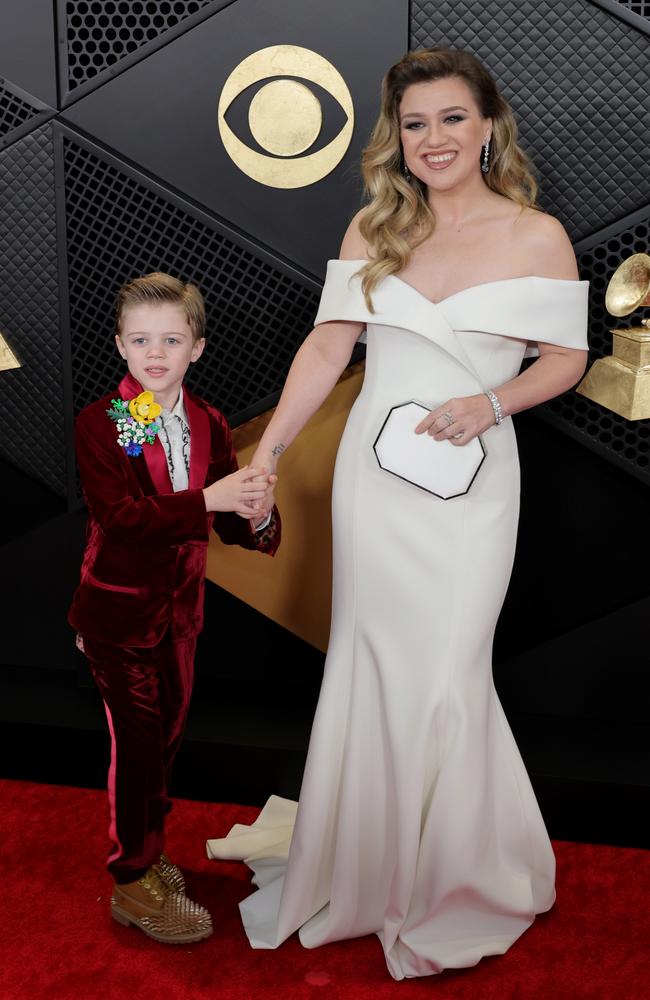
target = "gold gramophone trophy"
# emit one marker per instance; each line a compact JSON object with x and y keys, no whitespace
{"x":622,"y":382}
{"x":8,"y":359}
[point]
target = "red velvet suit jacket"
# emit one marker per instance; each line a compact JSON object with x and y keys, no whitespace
{"x":144,"y":565}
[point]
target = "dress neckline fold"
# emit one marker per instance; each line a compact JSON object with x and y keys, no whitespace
{"x":468,"y":288}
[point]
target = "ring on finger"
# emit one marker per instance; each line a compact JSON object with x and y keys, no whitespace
{"x":459,"y":435}
{"x":449,"y":417}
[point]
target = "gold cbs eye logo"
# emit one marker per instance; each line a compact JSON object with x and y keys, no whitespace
{"x":285,"y":117}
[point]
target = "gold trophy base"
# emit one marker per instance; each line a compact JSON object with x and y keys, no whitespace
{"x":622,"y":382}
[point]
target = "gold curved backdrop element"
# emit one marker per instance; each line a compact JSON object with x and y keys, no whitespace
{"x":293,"y":588}
{"x":285,"y":117}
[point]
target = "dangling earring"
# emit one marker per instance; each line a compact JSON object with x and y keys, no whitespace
{"x":407,"y":173}
{"x":485,"y":166}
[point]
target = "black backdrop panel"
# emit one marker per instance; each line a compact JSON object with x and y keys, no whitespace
{"x":119,"y":225}
{"x":32,"y":399}
{"x":28,"y":47}
{"x":162,"y":114}
{"x":577,"y":79}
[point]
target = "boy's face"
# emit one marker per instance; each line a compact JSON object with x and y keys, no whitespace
{"x":157,"y":343}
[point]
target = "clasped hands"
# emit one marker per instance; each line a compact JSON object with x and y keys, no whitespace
{"x":458,"y":420}
{"x":248,"y":492}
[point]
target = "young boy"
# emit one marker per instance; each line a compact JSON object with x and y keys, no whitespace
{"x":158,"y":471}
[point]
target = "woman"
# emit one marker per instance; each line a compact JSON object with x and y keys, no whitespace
{"x":416,"y":820}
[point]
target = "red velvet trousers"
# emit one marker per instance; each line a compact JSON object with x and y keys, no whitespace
{"x":146,"y":694}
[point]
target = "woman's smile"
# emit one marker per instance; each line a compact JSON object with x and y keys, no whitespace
{"x":439,"y":161}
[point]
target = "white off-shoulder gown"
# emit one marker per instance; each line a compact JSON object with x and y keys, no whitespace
{"x":416,"y":821}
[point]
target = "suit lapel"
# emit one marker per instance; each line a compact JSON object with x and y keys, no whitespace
{"x":129,"y":387}
{"x":199,"y":422}
{"x":153,"y":454}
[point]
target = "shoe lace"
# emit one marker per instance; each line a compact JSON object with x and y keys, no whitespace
{"x":153,"y":884}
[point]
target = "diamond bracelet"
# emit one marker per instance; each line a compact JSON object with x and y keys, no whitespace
{"x":496,"y":406}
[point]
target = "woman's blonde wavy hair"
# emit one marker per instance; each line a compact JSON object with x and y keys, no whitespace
{"x":398,"y":217}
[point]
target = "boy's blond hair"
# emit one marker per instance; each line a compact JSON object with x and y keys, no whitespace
{"x":156,"y":288}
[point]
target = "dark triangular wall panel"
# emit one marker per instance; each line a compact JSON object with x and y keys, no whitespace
{"x":28,"y":47}
{"x":99,"y":40}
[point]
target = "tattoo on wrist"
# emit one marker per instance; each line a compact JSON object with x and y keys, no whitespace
{"x":277,"y":450}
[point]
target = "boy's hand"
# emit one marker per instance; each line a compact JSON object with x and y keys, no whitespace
{"x":237,"y":492}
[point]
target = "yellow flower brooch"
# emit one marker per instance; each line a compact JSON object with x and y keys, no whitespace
{"x":136,"y":421}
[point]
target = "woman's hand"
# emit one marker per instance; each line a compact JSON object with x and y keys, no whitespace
{"x":458,"y":420}
{"x":243,"y":492}
{"x":267,"y":503}
{"x":263,"y":459}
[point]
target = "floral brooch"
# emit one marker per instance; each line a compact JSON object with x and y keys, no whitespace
{"x":136,"y":421}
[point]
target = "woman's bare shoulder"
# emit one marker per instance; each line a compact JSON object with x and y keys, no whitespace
{"x":354,"y":246}
{"x":535,"y":225}
{"x":545,"y":242}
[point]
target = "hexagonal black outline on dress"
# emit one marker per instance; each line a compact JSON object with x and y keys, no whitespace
{"x":424,"y":489}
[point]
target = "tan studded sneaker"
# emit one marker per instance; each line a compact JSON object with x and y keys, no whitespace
{"x":163,"y":915}
{"x":170,"y":875}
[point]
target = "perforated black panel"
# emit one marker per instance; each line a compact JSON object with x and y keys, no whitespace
{"x":99,"y":34}
{"x":116,"y":229}
{"x":640,"y":7}
{"x":31,"y":397}
{"x":13,"y":111}
{"x":575,"y":77}
{"x":628,"y":442}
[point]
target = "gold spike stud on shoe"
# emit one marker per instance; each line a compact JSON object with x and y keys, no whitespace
{"x":170,"y":875}
{"x":165,"y":916}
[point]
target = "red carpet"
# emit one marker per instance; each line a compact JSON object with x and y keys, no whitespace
{"x":58,"y":941}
